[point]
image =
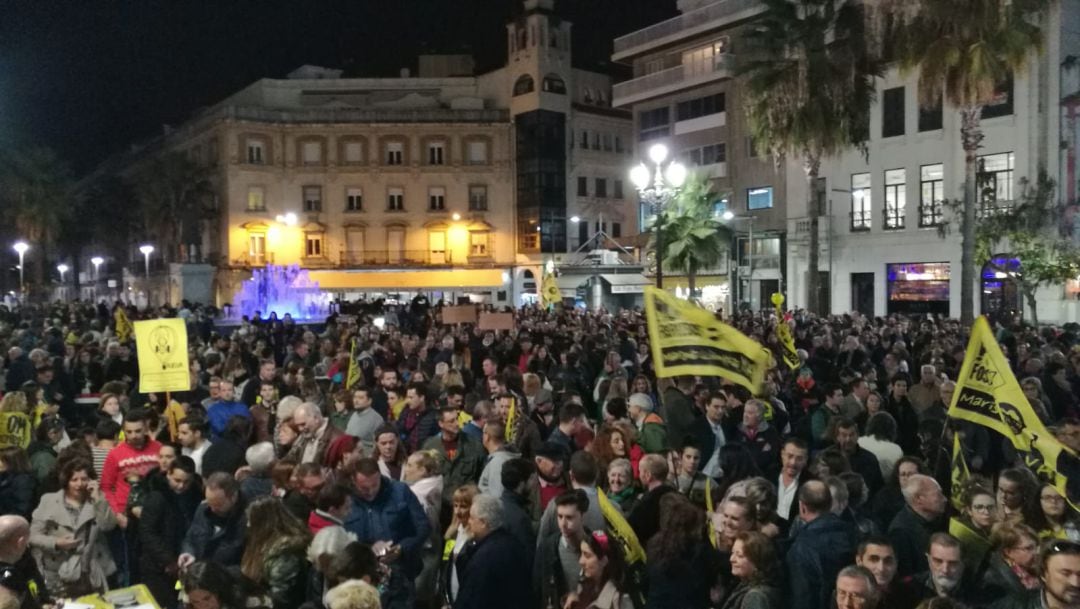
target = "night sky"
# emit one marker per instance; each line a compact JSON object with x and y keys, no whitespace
{"x":90,"y":77}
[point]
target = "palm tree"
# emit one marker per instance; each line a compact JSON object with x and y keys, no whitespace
{"x":963,"y":50}
{"x":34,"y":197}
{"x":171,"y":190}
{"x":809,"y":89}
{"x":694,"y":239}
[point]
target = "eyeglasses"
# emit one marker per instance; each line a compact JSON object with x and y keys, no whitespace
{"x":1054,"y":498}
{"x":987,"y":507}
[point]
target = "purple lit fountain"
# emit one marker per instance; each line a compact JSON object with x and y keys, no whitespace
{"x":282,"y":290}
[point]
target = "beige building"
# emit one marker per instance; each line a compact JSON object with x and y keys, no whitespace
{"x":685,"y":94}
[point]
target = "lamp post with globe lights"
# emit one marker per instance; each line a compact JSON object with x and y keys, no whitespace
{"x":97,"y":261}
{"x":63,"y":268}
{"x":657,"y":184}
{"x":146,"y":251}
{"x":20,"y":247}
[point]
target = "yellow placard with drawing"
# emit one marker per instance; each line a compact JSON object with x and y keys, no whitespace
{"x":163,"y":355}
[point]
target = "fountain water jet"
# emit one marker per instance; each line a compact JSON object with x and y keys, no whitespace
{"x":282,"y":290}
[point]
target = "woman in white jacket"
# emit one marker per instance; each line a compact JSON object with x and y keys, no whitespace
{"x":67,"y":534}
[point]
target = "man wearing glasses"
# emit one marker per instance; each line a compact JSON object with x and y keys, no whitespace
{"x":1060,"y":567}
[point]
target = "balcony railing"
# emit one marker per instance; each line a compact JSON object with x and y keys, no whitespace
{"x":993,"y":208}
{"x":399,"y":258}
{"x":894,"y":218}
{"x":931,"y":214}
{"x":686,"y":24}
{"x":672,"y":79}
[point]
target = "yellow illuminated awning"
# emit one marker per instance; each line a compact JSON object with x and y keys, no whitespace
{"x":406,"y":280}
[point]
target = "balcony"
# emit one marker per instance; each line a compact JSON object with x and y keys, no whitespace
{"x":686,"y":25}
{"x":404,"y":258}
{"x":674,"y":79}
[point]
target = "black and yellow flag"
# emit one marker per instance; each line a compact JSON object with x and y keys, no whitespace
{"x":688,"y":340}
{"x":352,"y":377}
{"x":960,"y":474}
{"x":124,"y":329}
{"x":783,"y":334}
{"x":550,"y":294}
{"x":987,"y":394}
{"x":633,"y":553}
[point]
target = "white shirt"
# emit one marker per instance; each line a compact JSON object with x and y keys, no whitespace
{"x":196,"y":454}
{"x":785,"y":496}
{"x":887,"y":453}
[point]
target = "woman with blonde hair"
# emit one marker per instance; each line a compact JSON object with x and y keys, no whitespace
{"x":15,"y":402}
{"x":275,"y":554}
{"x":353,"y":594}
{"x":456,"y":536}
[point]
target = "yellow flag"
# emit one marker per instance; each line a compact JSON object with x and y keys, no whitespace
{"x":960,"y":474}
{"x":352,"y":377}
{"x":549,"y":291}
{"x":619,"y":529}
{"x":973,"y":545}
{"x":987,"y":394}
{"x":15,"y":430}
{"x":511,"y":421}
{"x":162,"y":350}
{"x":688,"y":340}
{"x":123,"y":325}
{"x":783,"y":334}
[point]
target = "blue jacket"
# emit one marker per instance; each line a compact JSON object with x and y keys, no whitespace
{"x":394,"y":515}
{"x":219,"y":413}
{"x":493,"y":573}
{"x":820,"y":550}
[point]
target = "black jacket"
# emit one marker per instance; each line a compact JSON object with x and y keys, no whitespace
{"x":999,"y":580}
{"x":165,"y":518}
{"x":517,"y":522}
{"x":864,"y":463}
{"x":224,"y":455}
{"x":645,"y":519}
{"x":548,"y":582}
{"x":492,"y":573}
{"x":819,"y":551}
{"x":17,"y":494}
{"x":910,"y":534}
{"x":216,"y":538}
{"x":25,"y":580}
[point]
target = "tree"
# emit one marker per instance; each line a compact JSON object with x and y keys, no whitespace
{"x":35,"y":187}
{"x":172,"y":191}
{"x":694,"y":239}
{"x":963,"y":50}
{"x":1028,"y":232}
{"x":809,"y":90}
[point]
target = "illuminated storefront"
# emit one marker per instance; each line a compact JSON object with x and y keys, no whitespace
{"x":918,"y":287}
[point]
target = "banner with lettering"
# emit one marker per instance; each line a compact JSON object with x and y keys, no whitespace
{"x":783,"y":335}
{"x":163,"y":355}
{"x":15,"y":430}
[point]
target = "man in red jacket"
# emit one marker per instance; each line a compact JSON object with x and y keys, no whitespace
{"x":134,"y":458}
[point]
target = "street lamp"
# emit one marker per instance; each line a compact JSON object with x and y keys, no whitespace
{"x":63,"y":268}
{"x":97,"y":261}
{"x":146,"y":251}
{"x":657,"y":185}
{"x":21,"y":247}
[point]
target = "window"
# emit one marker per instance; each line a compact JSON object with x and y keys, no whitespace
{"x":892,"y":112}
{"x":436,"y":199}
{"x":478,"y":200}
{"x":354,"y":153}
{"x":618,"y":145}
{"x":313,"y":198}
{"x":395,"y":153}
{"x":654,"y":123}
{"x":256,"y":152}
{"x":395,"y":244}
{"x":606,"y":141}
{"x":601,"y":188}
{"x":994,"y":181}
{"x":436,"y":153}
{"x":895,"y":198}
{"x":759,"y":198}
{"x":256,"y":200}
{"x":702,"y":60}
{"x":311,"y":152}
{"x":931,"y":194}
{"x":860,"y":202}
{"x":476,"y":153}
{"x":257,"y":248}
{"x":584,"y":139}
{"x":596,"y":140}
{"x":479,"y":243}
{"x":930,"y":119}
{"x":523,"y":85}
{"x":702,"y":106}
{"x":354,"y":199}
{"x":583,"y":187}
{"x":582,"y":232}
{"x":706,"y":155}
{"x":617,"y":187}
{"x":1002,"y":104}
{"x":616,"y":230}
{"x":395,"y":199}
{"x":314,"y":245}
{"x":554,"y":84}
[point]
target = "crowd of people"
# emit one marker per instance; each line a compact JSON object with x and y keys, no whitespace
{"x":386,"y":459}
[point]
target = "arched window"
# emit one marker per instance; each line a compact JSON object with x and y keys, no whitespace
{"x":523,"y":85}
{"x":554,"y":84}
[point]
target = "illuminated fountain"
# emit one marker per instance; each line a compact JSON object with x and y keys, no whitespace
{"x":282,"y":290}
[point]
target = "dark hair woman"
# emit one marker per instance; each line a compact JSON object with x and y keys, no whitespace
{"x":1057,"y":520}
{"x":602,"y":567}
{"x":755,"y":565}
{"x":209,"y":585}
{"x":16,"y":483}
{"x":275,"y":555}
{"x":682,"y":564}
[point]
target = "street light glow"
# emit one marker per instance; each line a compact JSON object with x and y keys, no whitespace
{"x":640,"y":176}
{"x":97,"y":261}
{"x":63,"y":268}
{"x":657,"y":153}
{"x":146,"y":249}
{"x":575,"y":219}
{"x":676,"y":175}
{"x":20,"y":247}
{"x":728,"y":215}
{"x":456,"y":216}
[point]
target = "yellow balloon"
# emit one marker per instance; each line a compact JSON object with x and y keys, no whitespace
{"x":777,"y":299}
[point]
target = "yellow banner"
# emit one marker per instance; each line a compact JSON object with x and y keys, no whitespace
{"x":987,"y":394}
{"x":783,"y":334}
{"x":688,"y":340}
{"x":620,"y":530}
{"x":163,"y":355}
{"x":549,"y":291}
{"x":353,"y":375}
{"x":960,"y":474}
{"x":123,"y":325}
{"x":15,"y":428}
{"x":511,"y":421}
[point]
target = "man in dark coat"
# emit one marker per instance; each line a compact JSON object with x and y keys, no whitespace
{"x":217,"y":530}
{"x":515,"y":476}
{"x":821,"y":548}
{"x":645,"y":519}
{"x":677,"y":410}
{"x":863,"y":462}
{"x":19,"y":574}
{"x":911,"y":529}
{"x":166,"y":514}
{"x":492,"y":569}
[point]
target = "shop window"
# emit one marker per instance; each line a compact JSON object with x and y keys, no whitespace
{"x":918,"y":287}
